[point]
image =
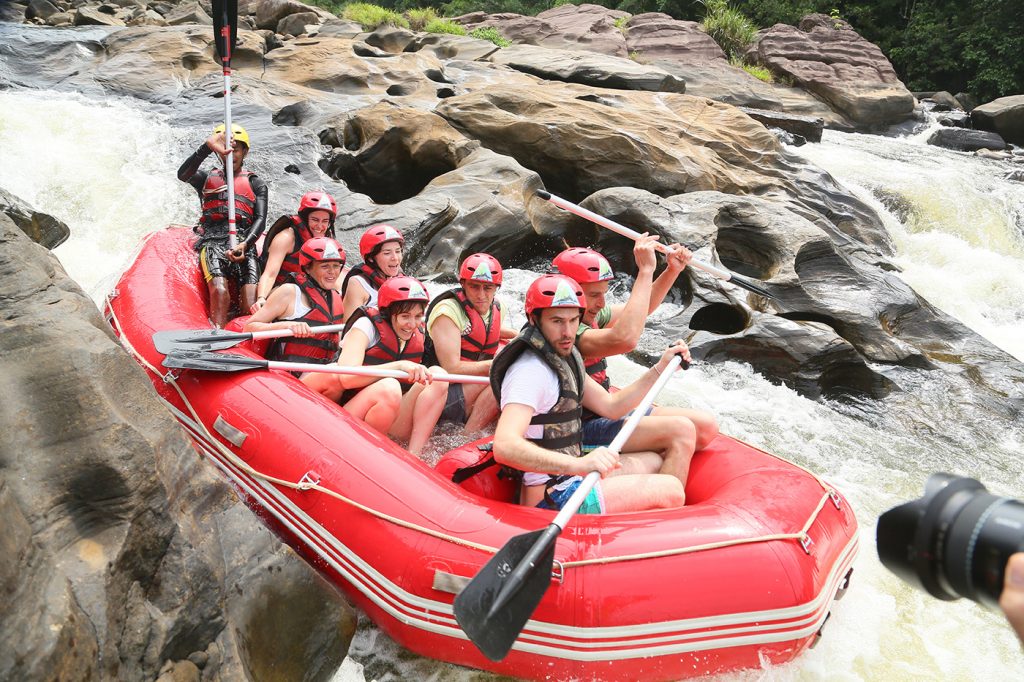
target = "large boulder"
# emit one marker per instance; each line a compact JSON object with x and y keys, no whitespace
{"x":720,"y":81}
{"x":655,"y":35}
{"x":447,"y":195}
{"x":122,"y":552}
{"x":1004,"y":116}
{"x":42,"y":9}
{"x":269,"y":13}
{"x":42,"y":228}
{"x":581,"y":140}
{"x":964,"y":140}
{"x":92,"y":16}
{"x":581,"y":27}
{"x":828,"y":58}
{"x":587,"y":68}
{"x":837,"y":327}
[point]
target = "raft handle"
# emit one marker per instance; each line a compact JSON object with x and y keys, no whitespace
{"x":844,"y":585}
{"x":818,"y":634}
{"x":806,"y":543}
{"x":558,"y":571}
{"x":836,"y":500}
{"x":233,"y":434}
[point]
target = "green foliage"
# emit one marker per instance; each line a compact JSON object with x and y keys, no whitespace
{"x":490,"y":33}
{"x":759,"y":72}
{"x":621,"y":22}
{"x":729,"y":27}
{"x":333,"y":6}
{"x":371,"y":17}
{"x":445,"y":26}
{"x":418,"y":18}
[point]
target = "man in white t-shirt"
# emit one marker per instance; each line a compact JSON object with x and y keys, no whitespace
{"x":542,"y":387}
{"x":465,"y":325}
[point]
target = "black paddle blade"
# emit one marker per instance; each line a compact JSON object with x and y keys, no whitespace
{"x":192,"y":340}
{"x":495,"y":633}
{"x":225,"y":27}
{"x":750,"y":286}
{"x":212,"y":362}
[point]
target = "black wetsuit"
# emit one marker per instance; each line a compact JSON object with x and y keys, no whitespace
{"x":212,"y":244}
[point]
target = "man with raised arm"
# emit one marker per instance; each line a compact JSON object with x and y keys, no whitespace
{"x":542,"y":387}
{"x":615,"y":329}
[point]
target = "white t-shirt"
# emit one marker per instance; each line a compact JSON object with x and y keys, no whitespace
{"x":366,"y":326}
{"x":300,"y":308}
{"x":529,"y":381}
{"x":371,"y":292}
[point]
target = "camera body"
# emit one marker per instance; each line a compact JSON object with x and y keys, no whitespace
{"x":954,"y":541}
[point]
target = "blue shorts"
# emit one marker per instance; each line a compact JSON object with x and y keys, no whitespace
{"x":560,"y":494}
{"x":601,"y":431}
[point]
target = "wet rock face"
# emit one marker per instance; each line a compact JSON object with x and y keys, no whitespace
{"x":837,"y":325}
{"x":1004,"y":116}
{"x":828,"y":58}
{"x":42,"y":228}
{"x":964,"y":140}
{"x":121,"y":551}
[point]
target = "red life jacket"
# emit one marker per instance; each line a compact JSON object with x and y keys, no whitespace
{"x":215,"y":199}
{"x":290,"y":266}
{"x":372,"y":275}
{"x":481,"y":342}
{"x":387,"y":347}
{"x":326,"y":308}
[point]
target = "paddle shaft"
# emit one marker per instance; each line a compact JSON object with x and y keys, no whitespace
{"x":372,"y":372}
{"x":277,"y":333}
{"x":532,"y":559}
{"x":626,"y":232}
{"x":229,"y":160}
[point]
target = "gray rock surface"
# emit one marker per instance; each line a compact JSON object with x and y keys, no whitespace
{"x":92,"y":16}
{"x":42,"y":9}
{"x":296,"y":24}
{"x":42,"y":228}
{"x":587,"y":68}
{"x":1004,"y":116}
{"x":121,"y":550}
{"x":654,"y":36}
{"x":829,"y":59}
{"x":964,"y":140}
{"x":807,"y":127}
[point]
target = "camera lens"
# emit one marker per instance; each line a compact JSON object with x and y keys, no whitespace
{"x":954,"y":541}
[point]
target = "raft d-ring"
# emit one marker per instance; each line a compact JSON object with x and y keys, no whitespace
{"x":308,"y":480}
{"x":806,"y":543}
{"x":557,"y":571}
{"x":836,"y":500}
{"x":170,"y":377}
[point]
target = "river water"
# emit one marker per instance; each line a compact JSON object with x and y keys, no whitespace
{"x":107,"y":168}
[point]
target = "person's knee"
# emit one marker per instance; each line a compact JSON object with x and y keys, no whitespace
{"x":707,"y":429}
{"x":680,"y":432}
{"x":671,"y":492}
{"x":218,"y":287}
{"x":388,"y":393}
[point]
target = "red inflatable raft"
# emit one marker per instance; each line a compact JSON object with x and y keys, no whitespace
{"x":745,"y":573}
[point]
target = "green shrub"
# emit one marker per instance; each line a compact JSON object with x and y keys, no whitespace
{"x":490,"y":33}
{"x":729,"y":27}
{"x":418,"y":18}
{"x":759,"y":72}
{"x":333,"y":6}
{"x":371,"y":17}
{"x":445,"y":26}
{"x":620,"y":23}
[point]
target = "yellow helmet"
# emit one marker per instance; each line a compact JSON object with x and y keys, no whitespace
{"x":237,"y":133}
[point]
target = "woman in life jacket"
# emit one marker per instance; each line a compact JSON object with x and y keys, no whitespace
{"x":280,"y":258}
{"x":381,"y":247}
{"x":390,"y":337}
{"x":312,"y":300}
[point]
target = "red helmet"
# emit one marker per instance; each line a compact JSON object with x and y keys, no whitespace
{"x":553,"y":291}
{"x":318,"y":201}
{"x":583,"y":265}
{"x":375,"y":237}
{"x":481,"y":267}
{"x":401,"y":288}
{"x":320,"y":249}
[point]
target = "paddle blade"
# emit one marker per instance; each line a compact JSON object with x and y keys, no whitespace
{"x":225,"y":27}
{"x":495,"y":633}
{"x":192,"y":340}
{"x":212,"y":362}
{"x":750,"y":286}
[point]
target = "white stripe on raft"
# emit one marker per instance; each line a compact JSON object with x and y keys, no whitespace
{"x":642,"y":640}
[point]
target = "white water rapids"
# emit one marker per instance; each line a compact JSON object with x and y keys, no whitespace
{"x":107,"y":169}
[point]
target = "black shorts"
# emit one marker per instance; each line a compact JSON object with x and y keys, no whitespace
{"x":455,"y":405}
{"x":213,"y":259}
